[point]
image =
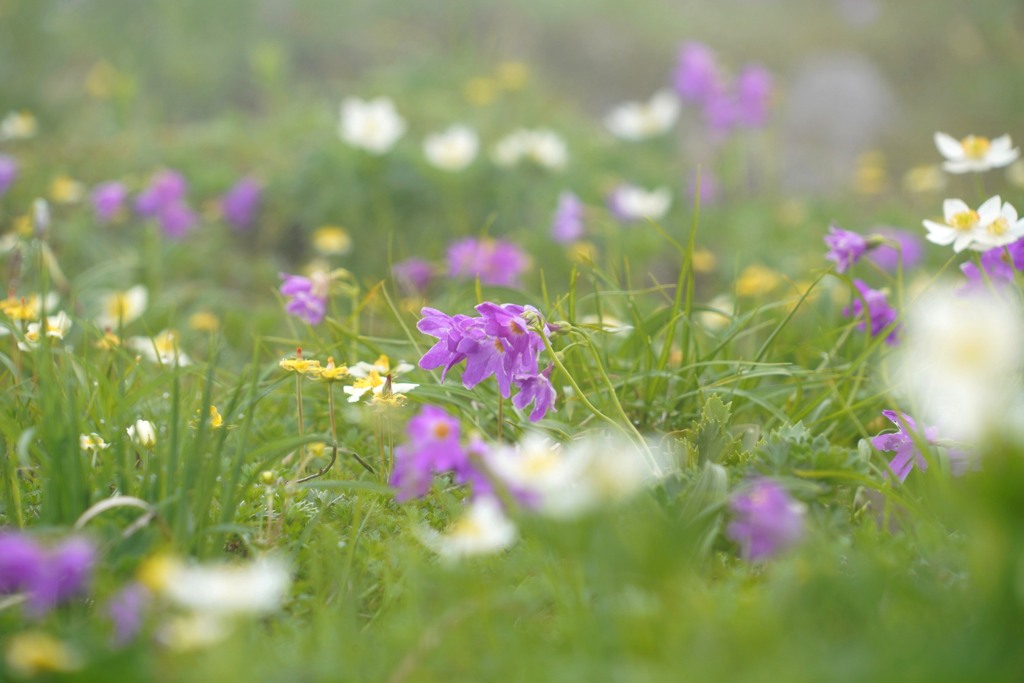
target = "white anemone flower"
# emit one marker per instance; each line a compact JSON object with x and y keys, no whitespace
{"x":483,"y":529}
{"x":372,"y":377}
{"x":963,"y":225}
{"x":453,"y":149}
{"x":961,"y":360}
{"x":53,"y":327}
{"x":632,"y":203}
{"x":374,"y":125}
{"x":1006,"y":228}
{"x":975,"y":153}
{"x":542,"y":146}
{"x":92,"y":442}
{"x":142,"y":433}
{"x":635,"y":121}
{"x":17,"y":125}
{"x":123,"y":307}
{"x":162,"y":349}
{"x":225,"y":590}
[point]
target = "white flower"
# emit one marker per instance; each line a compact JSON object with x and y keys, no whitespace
{"x":483,"y":529}
{"x":17,"y":125}
{"x":960,"y":360}
{"x":142,"y":433}
{"x":1005,"y":228}
{"x":452,"y":150}
{"x":632,"y":203}
{"x":374,"y":125}
{"x":121,"y":308}
{"x":642,"y":120}
{"x":224,"y":591}
{"x":55,"y":327}
{"x":92,"y":442}
{"x":373,"y":377}
{"x":964,"y":226}
{"x":163,"y":348}
{"x":570,"y":481}
{"x":541,"y":146}
{"x":975,"y":153}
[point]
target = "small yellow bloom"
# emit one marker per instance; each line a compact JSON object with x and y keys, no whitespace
{"x":583,"y":252}
{"x":332,"y":240}
{"x":480,"y":92}
{"x":303,"y":366}
{"x":757,"y":279}
{"x":512,"y":76}
{"x":923,"y":179}
{"x":34,"y":652}
{"x":66,"y":190}
{"x":101,"y":80}
{"x":216,"y":420}
{"x":204,"y":321}
{"x":25,"y":307}
{"x":23,"y":225}
{"x":331,"y":372}
{"x":155,"y":572}
{"x":92,"y":442}
{"x":108,"y":341}
{"x":871,"y":176}
{"x":703,"y":261}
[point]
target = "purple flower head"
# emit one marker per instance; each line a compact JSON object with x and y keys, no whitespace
{"x":844,"y":247}
{"x":8,"y":173}
{"x":721,"y":113}
{"x":567,"y":225}
{"x":696,"y":75}
{"x":535,"y":389}
{"x":754,"y":87}
{"x":413,"y":275}
{"x":306,"y":296}
{"x":907,"y":455}
{"x":166,"y":187}
{"x":66,"y":573}
{"x":127,"y":609}
{"x":108,"y":200}
{"x":433,"y":447}
{"x":177,"y":219}
{"x":494,"y":261}
{"x":240,"y":203}
{"x":21,"y":561}
{"x":766,"y":520}
{"x":996,"y":269}
{"x":879,"y":312}
{"x":911,"y":250}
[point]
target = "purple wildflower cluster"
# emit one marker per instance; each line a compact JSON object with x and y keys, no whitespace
{"x":874,"y":305}
{"x":307,"y":296}
{"x":435,"y":447}
{"x":998,"y":267}
{"x":725,"y":105}
{"x":846,"y":248}
{"x":240,"y":203}
{"x":413,"y":275}
{"x":907,"y":453}
{"x":8,"y":173}
{"x":47,"y":576}
{"x":164,"y":199}
{"x":500,"y":343}
{"x":108,"y":200}
{"x":766,"y":520}
{"x":495,"y":261}
{"x":567,"y":225}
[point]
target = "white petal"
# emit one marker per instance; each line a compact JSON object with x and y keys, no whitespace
{"x":949,"y":147}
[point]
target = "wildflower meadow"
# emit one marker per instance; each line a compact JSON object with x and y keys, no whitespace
{"x":579,"y":341}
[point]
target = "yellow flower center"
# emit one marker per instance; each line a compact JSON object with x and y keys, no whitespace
{"x":975,"y":146}
{"x":370,"y":381}
{"x":441,"y":430}
{"x":999,"y":226}
{"x":965,"y":220}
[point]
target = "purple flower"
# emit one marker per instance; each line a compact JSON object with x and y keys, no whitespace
{"x":177,"y":219}
{"x":907,"y":454}
{"x":413,"y":275}
{"x":307,"y":296}
{"x":996,"y":269}
{"x":535,"y":389}
{"x":911,"y":250}
{"x":126,"y":610}
{"x":567,"y":225}
{"x":721,"y":113}
{"x":845,"y":247}
{"x":879,"y":312}
{"x":108,"y":200}
{"x":433,"y":447}
{"x":240,"y":203}
{"x":8,"y":173}
{"x":766,"y":520}
{"x":495,"y":262}
{"x":21,"y":560}
{"x":167,"y":187}
{"x":696,"y":74}
{"x":754,"y":87}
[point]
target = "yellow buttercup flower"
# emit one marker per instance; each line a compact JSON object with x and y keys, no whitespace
{"x":332,"y":240}
{"x":66,"y":190}
{"x":303,"y":366}
{"x":757,"y":279}
{"x":480,"y":92}
{"x":34,"y":652}
{"x":512,"y":76}
{"x":204,"y":321}
{"x":330,"y":372}
{"x":703,"y":261}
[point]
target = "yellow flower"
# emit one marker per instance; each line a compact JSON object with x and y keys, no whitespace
{"x":583,"y":252}
{"x":870,"y":176}
{"x":926,"y":178}
{"x":108,"y":341}
{"x":512,"y":76}
{"x":54,"y":327}
{"x":332,"y":240}
{"x":331,"y":372}
{"x":703,"y":261}
{"x":155,"y":572}
{"x":101,"y":79}
{"x":25,"y":307}
{"x":216,"y":420}
{"x":757,"y":279}
{"x":34,"y":652}
{"x":204,"y":321}
{"x":480,"y":92}
{"x":66,"y":190}
{"x":301,"y":365}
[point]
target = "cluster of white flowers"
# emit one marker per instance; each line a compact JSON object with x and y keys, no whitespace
{"x":542,"y":146}
{"x":632,"y":203}
{"x":635,"y":121}
{"x":453,"y":149}
{"x":994,"y":224}
{"x":975,"y":153}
